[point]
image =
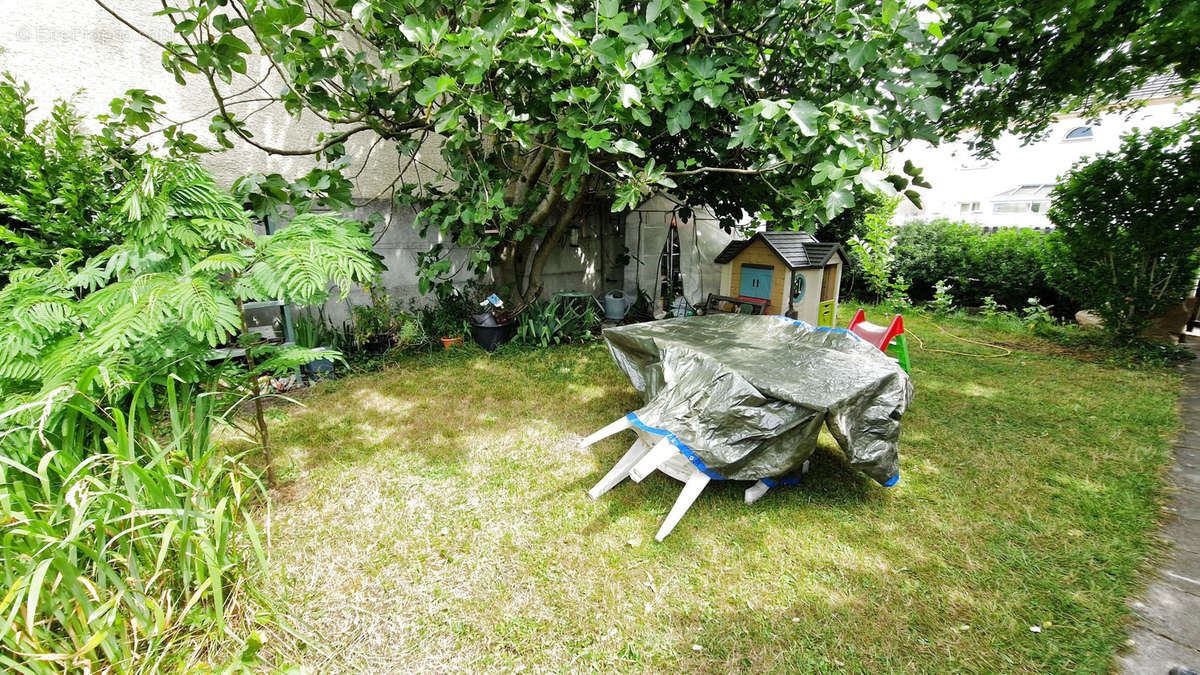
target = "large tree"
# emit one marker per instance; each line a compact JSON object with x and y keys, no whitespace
{"x":780,"y":109}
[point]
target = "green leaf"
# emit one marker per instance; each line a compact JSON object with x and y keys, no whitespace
{"x":805,"y":115}
{"x":630,"y":95}
{"x":858,"y":54}
{"x":653,"y":8}
{"x":769,"y":109}
{"x":644,"y":59}
{"x":890,"y":8}
{"x":932,"y":106}
{"x":837,"y":201}
{"x":433,"y":86}
{"x":628,"y":147}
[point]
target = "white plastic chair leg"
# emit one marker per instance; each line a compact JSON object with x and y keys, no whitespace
{"x":756,"y":491}
{"x":687,"y":496}
{"x":620,"y":470}
{"x":620,"y":425}
{"x":661,"y":452}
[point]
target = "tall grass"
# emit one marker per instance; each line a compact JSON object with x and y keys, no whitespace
{"x":122,"y":538}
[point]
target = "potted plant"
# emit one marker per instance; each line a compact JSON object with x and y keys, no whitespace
{"x":450,"y":328}
{"x":492,"y":329}
{"x":447,"y":318}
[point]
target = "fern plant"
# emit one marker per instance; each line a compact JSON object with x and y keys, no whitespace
{"x":158,"y":302}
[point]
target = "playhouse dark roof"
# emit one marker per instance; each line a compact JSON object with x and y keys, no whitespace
{"x":800,"y":250}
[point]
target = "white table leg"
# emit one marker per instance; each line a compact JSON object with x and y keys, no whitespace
{"x":687,"y":496}
{"x":756,"y":491}
{"x":620,"y":470}
{"x":661,"y":452}
{"x":620,"y":425}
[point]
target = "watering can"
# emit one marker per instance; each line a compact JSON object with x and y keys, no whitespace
{"x":616,"y":305}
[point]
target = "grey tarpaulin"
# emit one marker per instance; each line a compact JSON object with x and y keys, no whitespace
{"x":743,"y":397}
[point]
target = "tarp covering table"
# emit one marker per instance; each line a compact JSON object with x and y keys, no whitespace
{"x":743,"y":397}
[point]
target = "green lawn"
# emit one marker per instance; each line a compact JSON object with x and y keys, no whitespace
{"x":434,"y":516}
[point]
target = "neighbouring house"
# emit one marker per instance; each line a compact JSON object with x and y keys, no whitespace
{"x":1013,"y":188}
{"x":797,"y":275}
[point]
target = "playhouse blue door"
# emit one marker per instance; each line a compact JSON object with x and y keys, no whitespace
{"x":756,"y":282}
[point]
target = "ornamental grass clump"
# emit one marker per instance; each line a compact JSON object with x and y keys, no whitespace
{"x":124,"y":538}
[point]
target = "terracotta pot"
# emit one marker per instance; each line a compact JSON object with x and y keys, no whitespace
{"x":448,"y":342}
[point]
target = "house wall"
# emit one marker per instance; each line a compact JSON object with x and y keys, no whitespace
{"x":571,"y":269}
{"x":73,"y":49}
{"x":758,"y":253}
{"x":959,"y":178}
{"x":806,"y":309}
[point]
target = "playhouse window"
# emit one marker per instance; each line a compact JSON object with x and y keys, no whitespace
{"x":797,"y":287}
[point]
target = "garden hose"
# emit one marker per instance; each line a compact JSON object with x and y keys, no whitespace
{"x":1006,"y":351}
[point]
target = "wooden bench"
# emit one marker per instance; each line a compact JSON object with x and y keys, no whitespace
{"x":731,"y":305}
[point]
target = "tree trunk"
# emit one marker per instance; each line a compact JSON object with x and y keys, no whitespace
{"x":538,"y":218}
{"x":260,"y":420}
{"x":550,"y":243}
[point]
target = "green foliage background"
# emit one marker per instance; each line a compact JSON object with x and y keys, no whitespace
{"x":1127,"y":242}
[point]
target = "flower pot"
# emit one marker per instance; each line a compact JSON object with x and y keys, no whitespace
{"x":319,"y":368}
{"x":491,"y":337}
{"x":450,"y":342}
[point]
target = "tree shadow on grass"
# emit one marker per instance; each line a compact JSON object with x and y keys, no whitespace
{"x":830,"y":482}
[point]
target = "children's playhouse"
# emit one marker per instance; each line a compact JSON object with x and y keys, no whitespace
{"x":795,"y":274}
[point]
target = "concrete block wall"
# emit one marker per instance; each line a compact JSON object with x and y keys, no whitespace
{"x":571,"y":269}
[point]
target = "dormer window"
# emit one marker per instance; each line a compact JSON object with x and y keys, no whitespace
{"x":1079,"y":134}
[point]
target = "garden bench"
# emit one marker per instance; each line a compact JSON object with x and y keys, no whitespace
{"x":731,"y":305}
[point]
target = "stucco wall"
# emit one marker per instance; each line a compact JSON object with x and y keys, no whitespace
{"x":74,"y":49}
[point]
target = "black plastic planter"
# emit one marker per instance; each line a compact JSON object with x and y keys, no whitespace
{"x":490,"y":337}
{"x":318,"y":369}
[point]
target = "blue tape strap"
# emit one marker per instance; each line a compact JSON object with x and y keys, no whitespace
{"x":893,"y":480}
{"x":679,"y":445}
{"x":854,"y":335}
{"x":798,"y":322}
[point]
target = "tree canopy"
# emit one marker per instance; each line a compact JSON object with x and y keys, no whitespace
{"x":1127,"y":242}
{"x":784,"y":110}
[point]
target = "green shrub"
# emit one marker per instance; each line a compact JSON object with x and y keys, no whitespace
{"x":123,"y":542}
{"x":928,"y":252}
{"x":448,"y":317}
{"x":383,"y":324}
{"x":875,"y":253}
{"x":1007,"y":266}
{"x":1128,"y":239}
{"x":58,"y":184}
{"x":157,"y":303}
{"x":943,"y":299}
